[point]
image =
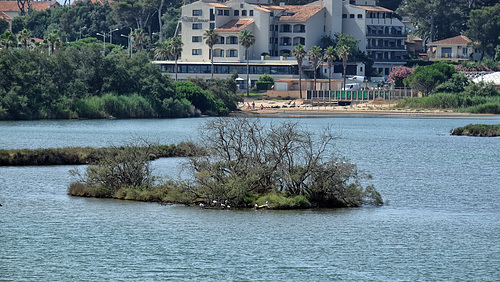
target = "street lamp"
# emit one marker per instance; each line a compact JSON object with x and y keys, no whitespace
{"x":103,"y":42}
{"x":111,"y":35}
{"x":128,"y":40}
{"x":82,"y":27}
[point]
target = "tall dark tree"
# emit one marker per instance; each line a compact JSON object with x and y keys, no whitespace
{"x":484,"y":28}
{"x":25,"y":37}
{"x":330,"y":56}
{"x":343,"y":52}
{"x":299,"y":53}
{"x":316,"y":59}
{"x":389,"y":4}
{"x":134,"y":13}
{"x":247,"y":39}
{"x":211,"y":38}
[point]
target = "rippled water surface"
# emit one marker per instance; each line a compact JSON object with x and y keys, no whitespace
{"x":442,"y":221}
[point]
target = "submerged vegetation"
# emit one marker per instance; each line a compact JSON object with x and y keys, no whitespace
{"x":480,"y":130}
{"x":244,"y":163}
{"x":85,"y":155}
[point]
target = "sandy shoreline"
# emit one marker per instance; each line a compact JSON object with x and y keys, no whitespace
{"x":382,"y":108}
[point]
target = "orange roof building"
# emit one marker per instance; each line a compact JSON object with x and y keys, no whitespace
{"x":458,"y":48}
{"x":11,"y":8}
{"x":6,"y":18}
{"x":278,"y":29}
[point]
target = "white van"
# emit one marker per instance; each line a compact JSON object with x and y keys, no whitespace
{"x":352,"y":87}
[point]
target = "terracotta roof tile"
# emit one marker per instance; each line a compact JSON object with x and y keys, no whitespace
{"x":218,"y":5}
{"x":300,"y":13}
{"x":373,"y":8}
{"x":234,"y":25}
{"x":11,"y":6}
{"x":268,"y":8}
{"x":92,"y":1}
{"x":457,"y":40}
{"x":5,"y":16}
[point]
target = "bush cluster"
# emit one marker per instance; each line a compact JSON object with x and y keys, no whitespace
{"x":78,"y":82}
{"x":482,"y":130}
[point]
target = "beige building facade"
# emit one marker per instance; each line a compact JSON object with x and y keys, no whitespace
{"x":277,"y":30}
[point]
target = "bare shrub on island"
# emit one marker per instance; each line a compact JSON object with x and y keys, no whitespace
{"x":119,"y":168}
{"x":247,"y":160}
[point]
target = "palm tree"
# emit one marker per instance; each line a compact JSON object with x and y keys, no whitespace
{"x":24,"y":37}
{"x":316,"y":59}
{"x":247,"y":39}
{"x":53,"y":39}
{"x":211,"y":38}
{"x":299,"y":53}
{"x":138,"y":39}
{"x":330,"y":56}
{"x":162,"y":51}
{"x":175,"y":49}
{"x":343,"y":52}
{"x":8,"y":39}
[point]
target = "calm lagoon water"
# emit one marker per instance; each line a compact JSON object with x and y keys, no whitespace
{"x":442,"y":220}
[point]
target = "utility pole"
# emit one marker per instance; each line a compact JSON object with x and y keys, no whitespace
{"x":111,"y":35}
{"x":103,"y":42}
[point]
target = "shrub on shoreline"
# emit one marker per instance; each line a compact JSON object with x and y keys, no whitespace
{"x":479,"y":130}
{"x":82,"y":155}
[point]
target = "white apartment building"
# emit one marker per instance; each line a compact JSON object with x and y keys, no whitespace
{"x":277,"y":29}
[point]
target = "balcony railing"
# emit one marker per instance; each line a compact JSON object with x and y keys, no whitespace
{"x":388,"y":47}
{"x":376,"y":34}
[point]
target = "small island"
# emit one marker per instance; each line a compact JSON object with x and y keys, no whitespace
{"x":478,"y":130}
{"x":242,"y":163}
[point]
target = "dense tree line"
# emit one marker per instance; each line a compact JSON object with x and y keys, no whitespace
{"x":439,"y":19}
{"x":433,"y":19}
{"x":77,"y":81}
{"x":444,"y":86}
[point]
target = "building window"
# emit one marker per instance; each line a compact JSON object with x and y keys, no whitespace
{"x":351,"y":16}
{"x":196,"y":13}
{"x":196,"y":39}
{"x":360,"y":16}
{"x":251,"y":13}
{"x":271,"y":27}
{"x":241,"y":6}
{"x":220,"y":12}
{"x":196,"y":52}
{"x":197,"y":26}
{"x":226,"y":12}
{"x":446,"y":52}
{"x":236,"y":13}
{"x":212,"y":25}
{"x":244,"y":13}
{"x":221,"y":40}
{"x":233,"y":40}
{"x":233,"y":53}
{"x":465,"y":51}
{"x":344,"y":16}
